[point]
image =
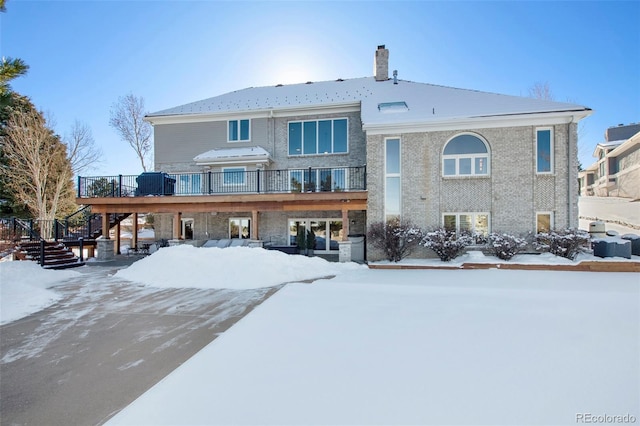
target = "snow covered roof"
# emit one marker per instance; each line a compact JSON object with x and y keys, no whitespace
{"x":254,"y":154}
{"x":606,"y":146}
{"x":425,"y":103}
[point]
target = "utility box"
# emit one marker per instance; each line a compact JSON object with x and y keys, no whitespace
{"x":597,"y":230}
{"x":155,"y":183}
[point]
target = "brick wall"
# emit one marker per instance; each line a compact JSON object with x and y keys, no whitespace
{"x":512,"y":193}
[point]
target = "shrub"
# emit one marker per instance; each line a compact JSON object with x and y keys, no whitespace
{"x":446,"y":243}
{"x":505,"y":246}
{"x":395,"y":238}
{"x":566,"y":243}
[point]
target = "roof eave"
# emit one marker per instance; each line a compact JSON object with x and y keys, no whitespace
{"x":479,"y":122}
{"x":339,"y":108}
{"x":625,"y":146}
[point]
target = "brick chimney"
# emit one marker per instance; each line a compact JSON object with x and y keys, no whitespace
{"x":381,"y":64}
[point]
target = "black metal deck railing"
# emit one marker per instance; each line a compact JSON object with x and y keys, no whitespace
{"x":231,"y":181}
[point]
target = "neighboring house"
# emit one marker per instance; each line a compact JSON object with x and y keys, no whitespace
{"x":336,"y":156}
{"x":617,"y":171}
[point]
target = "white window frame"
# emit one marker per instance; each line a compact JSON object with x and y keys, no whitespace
{"x":387,"y":214}
{"x":238,"y":121}
{"x":473,"y":157}
{"x":234,"y":170}
{"x":551,"y":149}
{"x":551,"y":220}
{"x":317,"y":121}
{"x":473,"y":220}
{"x":240,"y":219}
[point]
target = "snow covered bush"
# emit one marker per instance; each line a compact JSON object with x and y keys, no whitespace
{"x":446,"y":243}
{"x":505,"y":246}
{"x":566,"y":243}
{"x":395,"y":238}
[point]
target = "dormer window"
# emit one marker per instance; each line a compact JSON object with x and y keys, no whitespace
{"x":239,"y":130}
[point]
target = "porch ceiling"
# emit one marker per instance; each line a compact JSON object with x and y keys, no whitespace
{"x":315,"y":201}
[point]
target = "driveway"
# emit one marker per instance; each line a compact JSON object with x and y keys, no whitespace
{"x":105,"y":343}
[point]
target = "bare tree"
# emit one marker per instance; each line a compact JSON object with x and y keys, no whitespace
{"x":37,"y":172}
{"x":541,"y":90}
{"x":81,"y":148}
{"x":127,"y":118}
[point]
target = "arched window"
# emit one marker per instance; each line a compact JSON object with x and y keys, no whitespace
{"x":465,"y":155}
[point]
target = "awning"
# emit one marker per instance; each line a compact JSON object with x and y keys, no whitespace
{"x":244,"y":155}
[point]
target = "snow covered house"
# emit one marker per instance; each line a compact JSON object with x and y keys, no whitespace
{"x":333,"y":157}
{"x":616,"y":173}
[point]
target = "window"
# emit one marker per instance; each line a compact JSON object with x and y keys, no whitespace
{"x":465,"y":155}
{"x":473,"y":223}
{"x":233,"y":176}
{"x":393,"y":107}
{"x":392,"y":178}
{"x":318,"y":137}
{"x":544,"y":221}
{"x":328,"y":232}
{"x":240,"y":228}
{"x":544,"y":151}
{"x":239,"y":130}
{"x":317,"y":180}
{"x":189,"y":184}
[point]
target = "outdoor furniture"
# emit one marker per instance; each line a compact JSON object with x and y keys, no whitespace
{"x":612,"y":247}
{"x":155,"y":183}
{"x":635,"y":243}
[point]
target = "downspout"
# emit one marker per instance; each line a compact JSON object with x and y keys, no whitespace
{"x":570,"y":200}
{"x":273,"y":133}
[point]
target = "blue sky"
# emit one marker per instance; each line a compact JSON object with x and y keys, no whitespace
{"x":83,"y":55}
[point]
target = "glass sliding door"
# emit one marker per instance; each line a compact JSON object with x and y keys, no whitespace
{"x":327,"y":233}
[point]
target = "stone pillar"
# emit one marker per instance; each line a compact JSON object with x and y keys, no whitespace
{"x":105,"y":249}
{"x":345,"y":251}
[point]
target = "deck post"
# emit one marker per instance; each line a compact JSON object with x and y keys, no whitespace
{"x":254,"y":225}
{"x":41,"y":252}
{"x":105,"y":225}
{"x":118,"y":238}
{"x":134,"y":232}
{"x":177,"y":226}
{"x":345,"y":225}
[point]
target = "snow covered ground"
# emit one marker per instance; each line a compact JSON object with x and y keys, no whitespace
{"x":619,"y":214}
{"x":397,"y":346}
{"x":26,"y":288}
{"x":416,"y":347}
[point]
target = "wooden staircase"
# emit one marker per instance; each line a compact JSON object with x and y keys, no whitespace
{"x":56,"y":255}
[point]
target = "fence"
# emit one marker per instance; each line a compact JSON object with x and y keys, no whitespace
{"x":230,"y":181}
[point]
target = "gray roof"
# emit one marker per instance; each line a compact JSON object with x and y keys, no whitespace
{"x":424,"y":102}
